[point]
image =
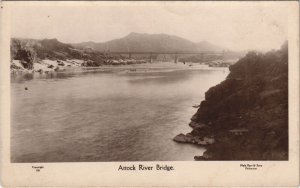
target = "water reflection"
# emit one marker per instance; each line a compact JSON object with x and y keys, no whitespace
{"x":107,"y":114}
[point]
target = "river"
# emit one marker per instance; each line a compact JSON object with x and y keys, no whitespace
{"x":128,"y":113}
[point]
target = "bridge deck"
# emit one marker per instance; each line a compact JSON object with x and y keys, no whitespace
{"x":166,"y":52}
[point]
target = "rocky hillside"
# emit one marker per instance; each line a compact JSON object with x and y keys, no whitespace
{"x":142,"y":42}
{"x":46,"y":48}
{"x":29,"y":52}
{"x":47,"y":54}
{"x":246,"y":116}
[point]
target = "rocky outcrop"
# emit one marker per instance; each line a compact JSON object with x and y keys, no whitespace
{"x":247,"y":114}
{"x":193,"y":139}
{"x":25,"y":54}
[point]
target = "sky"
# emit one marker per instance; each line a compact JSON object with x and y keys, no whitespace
{"x":234,"y":25}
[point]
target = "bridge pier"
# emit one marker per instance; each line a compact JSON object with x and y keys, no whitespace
{"x":150,"y":58}
{"x":202,"y":56}
{"x":153,"y":55}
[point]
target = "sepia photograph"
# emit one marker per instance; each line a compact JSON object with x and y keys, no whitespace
{"x":149,"y":83}
{"x":149,"y":93}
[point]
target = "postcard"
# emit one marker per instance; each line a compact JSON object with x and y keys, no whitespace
{"x":149,"y":93}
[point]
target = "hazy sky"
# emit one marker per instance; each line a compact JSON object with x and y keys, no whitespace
{"x":235,"y":25}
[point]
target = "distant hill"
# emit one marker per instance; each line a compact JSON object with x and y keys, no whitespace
{"x":206,"y":46}
{"x":141,"y":42}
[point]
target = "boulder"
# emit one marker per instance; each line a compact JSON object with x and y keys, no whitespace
{"x":196,"y":125}
{"x":183,"y":138}
{"x":199,"y":158}
{"x":61,"y":63}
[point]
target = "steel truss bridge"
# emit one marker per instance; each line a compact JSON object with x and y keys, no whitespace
{"x":174,"y":54}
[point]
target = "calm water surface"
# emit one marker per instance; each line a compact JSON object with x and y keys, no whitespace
{"x":108,"y":114}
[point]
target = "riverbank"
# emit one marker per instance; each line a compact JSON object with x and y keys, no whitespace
{"x":245,"y":117}
{"x":47,"y":65}
{"x":75,"y":66}
{"x":51,"y":55}
{"x":48,"y":55}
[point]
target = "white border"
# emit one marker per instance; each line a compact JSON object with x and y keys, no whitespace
{"x":193,"y":173}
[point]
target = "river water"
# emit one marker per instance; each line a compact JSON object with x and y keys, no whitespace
{"x":128,"y":113}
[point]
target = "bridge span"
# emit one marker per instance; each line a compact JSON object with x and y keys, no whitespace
{"x":175,"y":54}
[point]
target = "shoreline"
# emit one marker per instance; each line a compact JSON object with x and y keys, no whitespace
{"x":245,"y":117}
{"x":128,"y":68}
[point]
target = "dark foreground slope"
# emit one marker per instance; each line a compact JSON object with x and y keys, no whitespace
{"x":246,"y":116}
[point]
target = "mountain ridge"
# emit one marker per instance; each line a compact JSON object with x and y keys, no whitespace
{"x":149,"y":42}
